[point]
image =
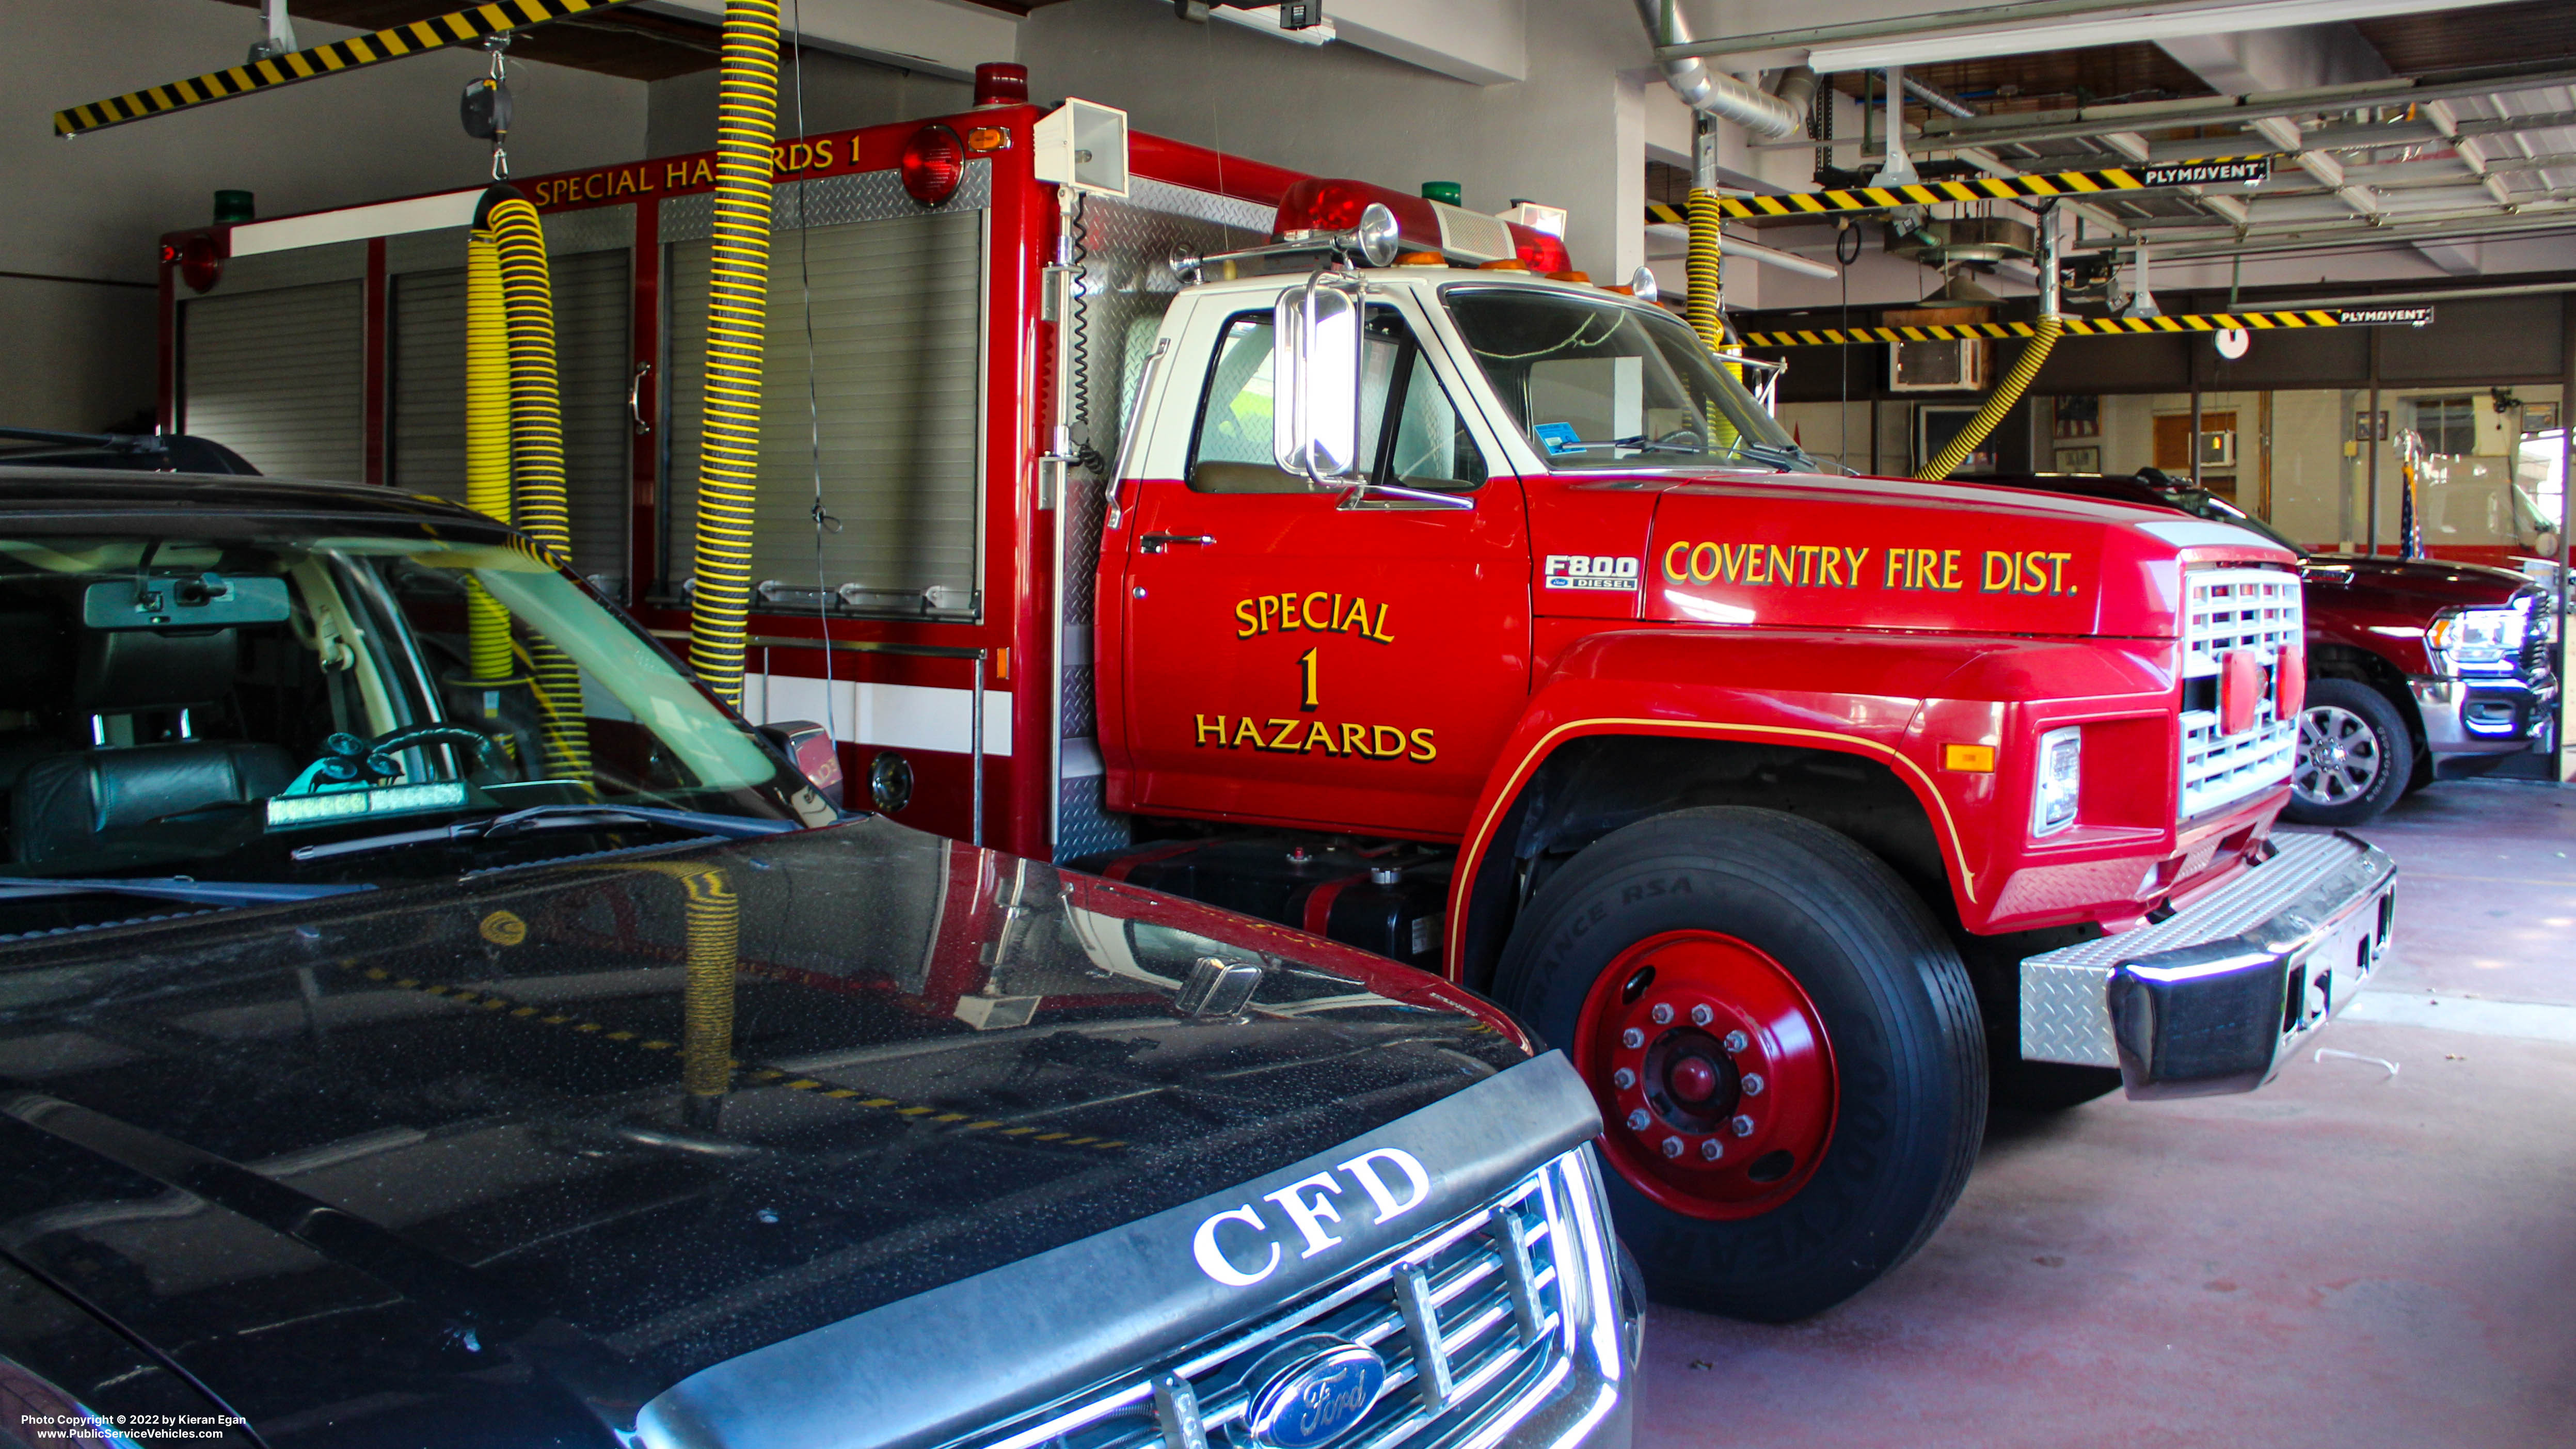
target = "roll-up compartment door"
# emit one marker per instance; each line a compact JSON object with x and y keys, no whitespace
{"x":593,"y":303}
{"x":891,"y":406}
{"x":279,"y":377}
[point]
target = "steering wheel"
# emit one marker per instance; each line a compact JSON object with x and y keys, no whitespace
{"x":1682,"y":435}
{"x":348,"y":759}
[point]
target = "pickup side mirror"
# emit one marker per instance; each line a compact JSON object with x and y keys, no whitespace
{"x":1317,"y":365}
{"x":811,"y":747}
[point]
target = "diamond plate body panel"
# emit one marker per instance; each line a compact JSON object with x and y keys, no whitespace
{"x":1123,"y":254}
{"x":2065,"y":1015}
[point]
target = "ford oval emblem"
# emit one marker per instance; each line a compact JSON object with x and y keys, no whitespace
{"x":1316,"y":1399}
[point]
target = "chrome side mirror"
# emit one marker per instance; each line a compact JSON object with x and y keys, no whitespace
{"x":813,"y":752}
{"x":1318,"y":360}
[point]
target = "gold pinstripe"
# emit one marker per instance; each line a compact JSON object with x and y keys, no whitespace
{"x":1470,"y":857}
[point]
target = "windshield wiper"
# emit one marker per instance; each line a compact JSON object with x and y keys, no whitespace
{"x":1787,"y":457}
{"x":539,"y":817}
{"x":175,"y":888}
{"x":1641,"y":443}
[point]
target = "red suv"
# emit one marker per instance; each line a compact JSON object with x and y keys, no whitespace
{"x":2418,"y":670}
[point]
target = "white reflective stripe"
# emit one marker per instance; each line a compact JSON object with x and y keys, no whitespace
{"x":356,"y":223}
{"x":891,"y":716}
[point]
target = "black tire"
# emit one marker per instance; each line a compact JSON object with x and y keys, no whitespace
{"x":1888,"y":989}
{"x":2354,"y":757}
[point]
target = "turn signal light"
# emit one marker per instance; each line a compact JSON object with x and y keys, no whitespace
{"x":2240,"y":689}
{"x":934,"y":161}
{"x":2290,"y":684}
{"x":980,"y":139}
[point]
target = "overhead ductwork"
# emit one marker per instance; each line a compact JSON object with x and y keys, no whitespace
{"x":1720,"y":95}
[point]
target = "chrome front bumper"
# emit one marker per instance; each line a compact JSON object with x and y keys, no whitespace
{"x":2213,"y":998}
{"x":2498,"y":714}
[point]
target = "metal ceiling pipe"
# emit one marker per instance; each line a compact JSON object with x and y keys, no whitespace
{"x":1939,"y":100}
{"x":1713,"y":92}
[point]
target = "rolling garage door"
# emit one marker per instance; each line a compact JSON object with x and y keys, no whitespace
{"x":278,"y":376}
{"x":895,"y":400}
{"x":593,"y":305}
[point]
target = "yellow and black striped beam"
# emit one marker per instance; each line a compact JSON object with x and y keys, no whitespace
{"x":461,"y":27}
{"x":2243,"y":170}
{"x":2391,"y":316}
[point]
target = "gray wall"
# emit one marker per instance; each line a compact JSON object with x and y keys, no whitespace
{"x":1572,"y":135}
{"x":840,"y":94}
{"x":96,"y":207}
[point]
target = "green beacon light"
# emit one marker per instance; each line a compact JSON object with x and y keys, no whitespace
{"x":234,"y":206}
{"x":1449,"y":192}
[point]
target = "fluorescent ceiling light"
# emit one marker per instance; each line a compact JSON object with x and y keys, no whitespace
{"x":2145,"y":23}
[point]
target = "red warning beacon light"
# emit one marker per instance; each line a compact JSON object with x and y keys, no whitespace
{"x":1316,"y":205}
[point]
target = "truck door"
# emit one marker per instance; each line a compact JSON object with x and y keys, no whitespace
{"x":1293,"y":654}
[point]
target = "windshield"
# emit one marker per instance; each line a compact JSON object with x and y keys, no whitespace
{"x":1598,"y":383}
{"x":2217,"y":509}
{"x":244,"y":704}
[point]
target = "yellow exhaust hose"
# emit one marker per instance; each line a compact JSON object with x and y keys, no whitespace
{"x":1704,"y":270}
{"x":2024,"y":368}
{"x":737,"y":317}
{"x":487,"y":442}
{"x":536,"y":455}
{"x":714,"y":932}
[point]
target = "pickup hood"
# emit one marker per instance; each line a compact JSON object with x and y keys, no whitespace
{"x":2425,"y":585}
{"x":426,"y":1166}
{"x":1879,"y":553}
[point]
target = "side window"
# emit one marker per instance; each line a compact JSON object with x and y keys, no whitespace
{"x":1429,"y":447}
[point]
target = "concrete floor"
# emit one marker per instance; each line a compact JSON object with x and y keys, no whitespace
{"x":2343,"y":1259}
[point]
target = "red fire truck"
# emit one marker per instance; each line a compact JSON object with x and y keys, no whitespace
{"x":1341,"y":557}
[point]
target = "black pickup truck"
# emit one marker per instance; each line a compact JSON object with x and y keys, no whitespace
{"x":429,"y":1018}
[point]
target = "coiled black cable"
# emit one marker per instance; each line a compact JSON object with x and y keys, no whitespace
{"x":1078,"y":349}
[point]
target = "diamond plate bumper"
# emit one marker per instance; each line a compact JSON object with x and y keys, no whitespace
{"x":2210,"y":1000}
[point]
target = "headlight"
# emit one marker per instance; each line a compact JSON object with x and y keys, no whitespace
{"x":2479,"y":641}
{"x":2052,"y":794}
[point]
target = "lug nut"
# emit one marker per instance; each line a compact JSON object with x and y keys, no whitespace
{"x":1743,"y":1125}
{"x":1638,"y":1121}
{"x":1632,"y":1038}
{"x":1623,"y":1079}
{"x":1672,"y":1147}
{"x":1737,"y":1041}
{"x":1752,"y":1084}
{"x":1663,"y":1013}
{"x":1701,"y":1015}
{"x":1711,"y":1149}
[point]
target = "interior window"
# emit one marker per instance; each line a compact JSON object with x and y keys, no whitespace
{"x":1429,"y":447}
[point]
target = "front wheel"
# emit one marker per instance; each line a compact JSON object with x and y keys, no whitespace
{"x":2354,"y":755}
{"x":1785,"y":1048}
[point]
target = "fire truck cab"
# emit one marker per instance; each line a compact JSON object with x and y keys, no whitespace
{"x":1343,"y":558}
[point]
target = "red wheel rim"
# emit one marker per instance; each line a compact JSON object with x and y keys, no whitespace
{"x":1713,"y":1071}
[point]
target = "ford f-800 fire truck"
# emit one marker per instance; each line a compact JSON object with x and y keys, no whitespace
{"x":1341,"y":557}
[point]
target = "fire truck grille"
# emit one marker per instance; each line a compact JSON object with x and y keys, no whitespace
{"x":2226,"y":611}
{"x":1470,"y":1322}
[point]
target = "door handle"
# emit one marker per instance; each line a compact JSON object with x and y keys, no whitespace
{"x":1157,"y":542}
{"x":635,"y":398}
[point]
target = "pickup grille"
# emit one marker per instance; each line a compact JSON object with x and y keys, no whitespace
{"x":2226,"y":610}
{"x":1470,"y":1321}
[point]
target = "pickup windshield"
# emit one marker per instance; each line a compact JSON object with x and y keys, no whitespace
{"x":248,"y":713}
{"x":1598,"y":383}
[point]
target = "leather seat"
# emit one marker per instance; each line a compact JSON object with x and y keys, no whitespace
{"x":75,"y":806}
{"x":100,"y":803}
